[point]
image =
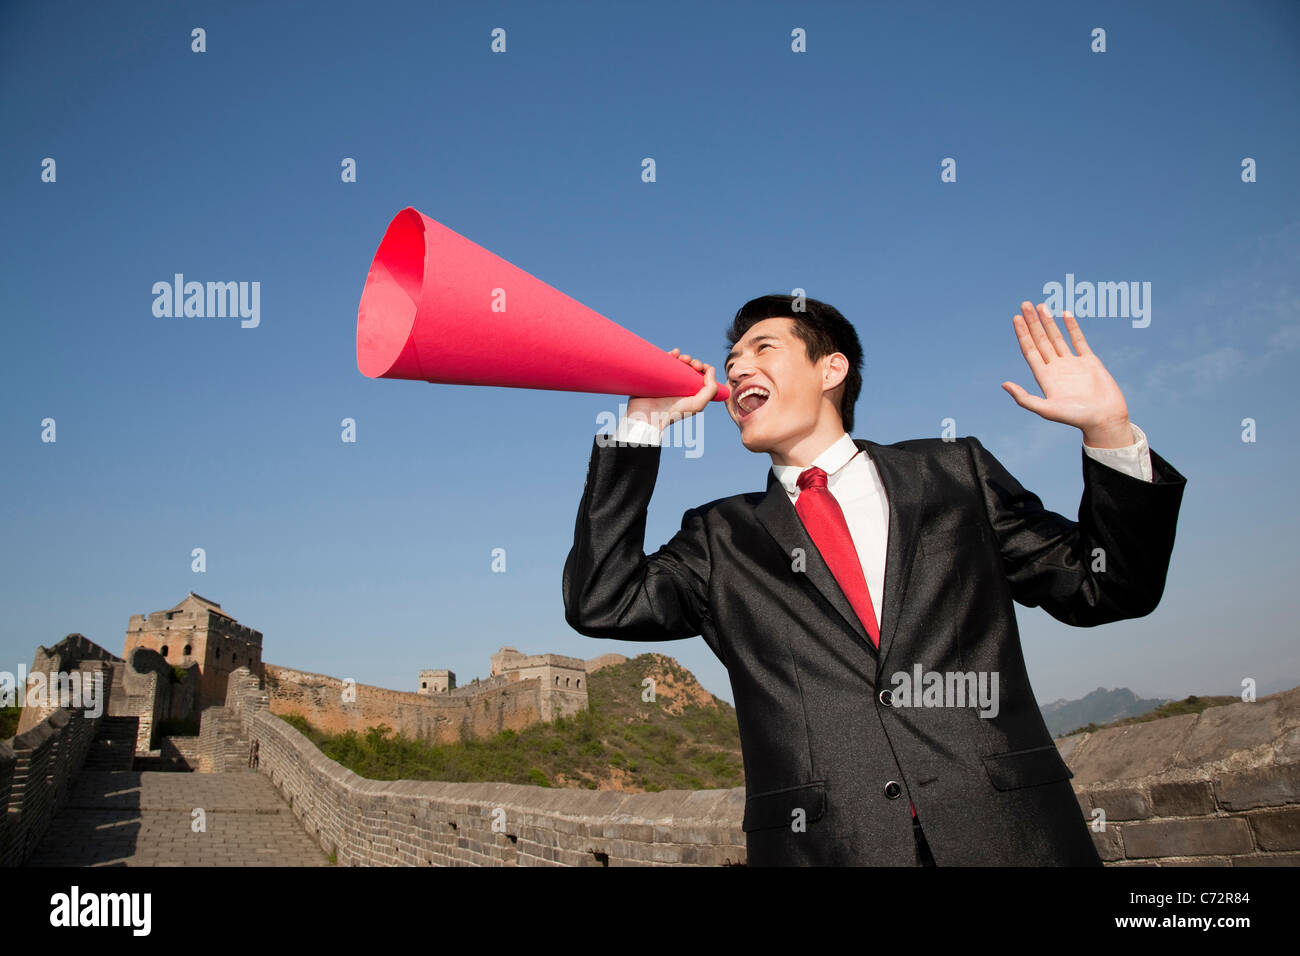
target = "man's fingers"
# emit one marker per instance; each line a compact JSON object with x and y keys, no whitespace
{"x":1046,"y":351}
{"x":686,"y":358}
{"x":1027,"y":346}
{"x":1053,"y":333}
{"x":696,"y":364}
{"x":1023,"y":398}
{"x":710,"y":386}
{"x":701,"y":399}
{"x":1076,"y":334}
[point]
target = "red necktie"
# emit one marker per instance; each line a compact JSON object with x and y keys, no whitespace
{"x":822,"y":516}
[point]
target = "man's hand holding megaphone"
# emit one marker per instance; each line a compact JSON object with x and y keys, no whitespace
{"x":662,"y":412}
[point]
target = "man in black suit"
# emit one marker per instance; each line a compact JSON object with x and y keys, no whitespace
{"x":886,"y":717}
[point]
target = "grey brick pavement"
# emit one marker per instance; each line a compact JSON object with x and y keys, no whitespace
{"x":129,"y":818}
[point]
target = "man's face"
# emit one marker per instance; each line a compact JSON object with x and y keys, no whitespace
{"x":770,"y":358}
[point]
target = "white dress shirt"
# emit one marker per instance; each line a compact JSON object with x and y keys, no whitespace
{"x":855,"y":484}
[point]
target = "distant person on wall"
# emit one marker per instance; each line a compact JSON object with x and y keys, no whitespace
{"x":863,"y":566}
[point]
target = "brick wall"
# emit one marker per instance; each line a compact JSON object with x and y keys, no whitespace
{"x":52,"y":663}
{"x":181,"y":748}
{"x":8,"y":818}
{"x":480,"y":710}
{"x":36,"y":772}
{"x":146,"y":680}
{"x":415,"y":823}
{"x":1218,"y":788}
{"x":222,"y":743}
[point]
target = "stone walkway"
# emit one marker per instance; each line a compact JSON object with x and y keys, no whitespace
{"x":128,"y":818}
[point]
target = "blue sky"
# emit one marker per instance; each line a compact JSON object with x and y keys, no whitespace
{"x":775,"y":170}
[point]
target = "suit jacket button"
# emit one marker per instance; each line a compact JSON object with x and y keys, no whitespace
{"x":892,"y":790}
{"x":887,"y":698}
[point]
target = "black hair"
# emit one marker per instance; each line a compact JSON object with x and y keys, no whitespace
{"x":823,"y":331}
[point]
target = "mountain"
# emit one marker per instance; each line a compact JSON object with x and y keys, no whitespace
{"x":1099,"y":707}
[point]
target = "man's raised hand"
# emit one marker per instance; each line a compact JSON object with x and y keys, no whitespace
{"x":1077,"y":389}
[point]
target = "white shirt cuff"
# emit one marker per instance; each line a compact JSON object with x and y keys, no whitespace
{"x":636,"y":432}
{"x":1134,"y":459}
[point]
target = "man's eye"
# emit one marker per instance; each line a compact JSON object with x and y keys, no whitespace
{"x":727,"y":369}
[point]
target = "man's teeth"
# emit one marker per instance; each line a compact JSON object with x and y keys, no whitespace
{"x":752,"y":398}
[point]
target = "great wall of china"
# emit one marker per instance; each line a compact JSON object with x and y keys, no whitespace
{"x":1218,"y":788}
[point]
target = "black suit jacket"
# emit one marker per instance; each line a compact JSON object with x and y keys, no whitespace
{"x":830,"y":763}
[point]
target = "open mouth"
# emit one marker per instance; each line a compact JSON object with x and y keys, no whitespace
{"x":750,"y":400}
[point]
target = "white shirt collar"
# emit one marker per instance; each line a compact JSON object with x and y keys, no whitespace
{"x":839,"y":454}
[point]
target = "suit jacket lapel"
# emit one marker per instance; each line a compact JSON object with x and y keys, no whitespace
{"x":904,"y":488}
{"x":904,"y":480}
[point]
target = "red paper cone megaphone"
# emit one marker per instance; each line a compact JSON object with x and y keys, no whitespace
{"x":439,"y":308}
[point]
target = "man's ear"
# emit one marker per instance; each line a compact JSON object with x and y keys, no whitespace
{"x":835,"y":369}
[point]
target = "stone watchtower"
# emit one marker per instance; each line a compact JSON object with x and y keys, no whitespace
{"x":198,"y":631}
{"x":437,"y":681}
{"x":563,"y":679}
{"x":556,"y":670}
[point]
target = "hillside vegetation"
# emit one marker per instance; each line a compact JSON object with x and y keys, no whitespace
{"x":1188,"y":705}
{"x":685,"y":739}
{"x":9,"y":717}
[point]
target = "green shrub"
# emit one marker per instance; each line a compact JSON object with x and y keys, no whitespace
{"x":9,"y":721}
{"x":538,"y":778}
{"x":297,"y":721}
